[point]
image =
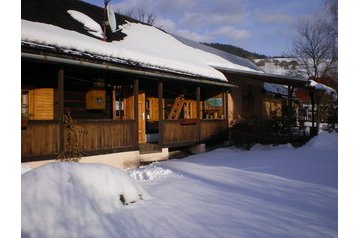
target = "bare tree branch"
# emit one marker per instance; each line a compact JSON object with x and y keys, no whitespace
{"x":141,"y":15}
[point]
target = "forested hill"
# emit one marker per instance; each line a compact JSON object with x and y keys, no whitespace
{"x":236,"y":51}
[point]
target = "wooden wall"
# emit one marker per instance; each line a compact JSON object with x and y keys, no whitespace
{"x":107,"y":135}
{"x":40,"y":138}
{"x":176,"y":133}
{"x":212,"y":129}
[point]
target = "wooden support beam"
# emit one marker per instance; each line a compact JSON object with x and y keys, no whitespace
{"x":318,"y":114}
{"x":312,"y":105}
{"x":198,"y":112}
{"x":135,"y":93}
{"x":60,"y":108}
{"x":289,"y":104}
{"x":226,"y":111}
{"x":160,"y":111}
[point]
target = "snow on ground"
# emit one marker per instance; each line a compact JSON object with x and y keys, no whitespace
{"x":281,"y":66}
{"x":149,"y":172}
{"x":266,"y":192}
{"x":25,"y":168}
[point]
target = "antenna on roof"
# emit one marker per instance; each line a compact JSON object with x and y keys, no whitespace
{"x":109,"y":19}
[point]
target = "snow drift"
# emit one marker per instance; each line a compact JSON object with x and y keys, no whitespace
{"x":60,"y":199}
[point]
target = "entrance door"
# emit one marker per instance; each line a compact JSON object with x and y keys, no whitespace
{"x":141,"y":118}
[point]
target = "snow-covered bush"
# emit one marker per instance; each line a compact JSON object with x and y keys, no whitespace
{"x":68,"y":196}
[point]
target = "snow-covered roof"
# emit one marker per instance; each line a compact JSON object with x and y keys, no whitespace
{"x":143,"y":44}
{"x":137,"y":44}
{"x":323,"y":88}
{"x":73,"y":28}
{"x":232,"y":61}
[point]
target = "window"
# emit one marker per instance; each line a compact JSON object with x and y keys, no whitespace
{"x":214,"y":107}
{"x":38,"y":104}
{"x":24,"y":104}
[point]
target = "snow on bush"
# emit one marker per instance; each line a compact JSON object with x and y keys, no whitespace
{"x":67,"y":198}
{"x":323,"y":141}
{"x":149,"y":172}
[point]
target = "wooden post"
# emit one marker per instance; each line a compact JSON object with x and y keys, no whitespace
{"x":135,"y":93}
{"x":314,"y":129}
{"x":198,"y":112}
{"x":289,"y":105}
{"x":160,"y":111}
{"x":312,"y":105}
{"x":60,"y":108}
{"x":226,"y":111}
{"x":318,"y":115}
{"x":289,"y":109}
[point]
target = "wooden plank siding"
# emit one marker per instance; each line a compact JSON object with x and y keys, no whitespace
{"x":40,"y":138}
{"x":108,"y":135}
{"x":175,"y":133}
{"x":212,"y":129}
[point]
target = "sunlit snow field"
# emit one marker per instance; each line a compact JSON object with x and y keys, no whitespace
{"x":265,"y":192}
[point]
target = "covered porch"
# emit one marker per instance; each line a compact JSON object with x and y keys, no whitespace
{"x":286,"y":124}
{"x":118,"y":111}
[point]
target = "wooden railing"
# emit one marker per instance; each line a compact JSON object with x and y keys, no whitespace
{"x":179,"y":132}
{"x":212,"y":129}
{"x":40,"y":138}
{"x":175,"y":132}
{"x":110,"y":135}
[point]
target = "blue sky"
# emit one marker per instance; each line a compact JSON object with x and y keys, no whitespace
{"x":262,"y":26}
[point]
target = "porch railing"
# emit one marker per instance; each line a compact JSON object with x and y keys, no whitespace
{"x":107,"y":135}
{"x":179,"y":132}
{"x":40,"y":138}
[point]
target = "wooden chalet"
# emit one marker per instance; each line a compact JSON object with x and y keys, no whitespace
{"x":131,"y":110}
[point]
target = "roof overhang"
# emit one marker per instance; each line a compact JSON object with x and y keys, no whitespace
{"x":140,"y":71}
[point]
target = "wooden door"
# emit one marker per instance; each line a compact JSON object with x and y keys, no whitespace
{"x":141,"y":118}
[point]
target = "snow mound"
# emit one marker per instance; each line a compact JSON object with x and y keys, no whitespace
{"x":58,"y":198}
{"x":149,"y":172}
{"x":324,"y":140}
